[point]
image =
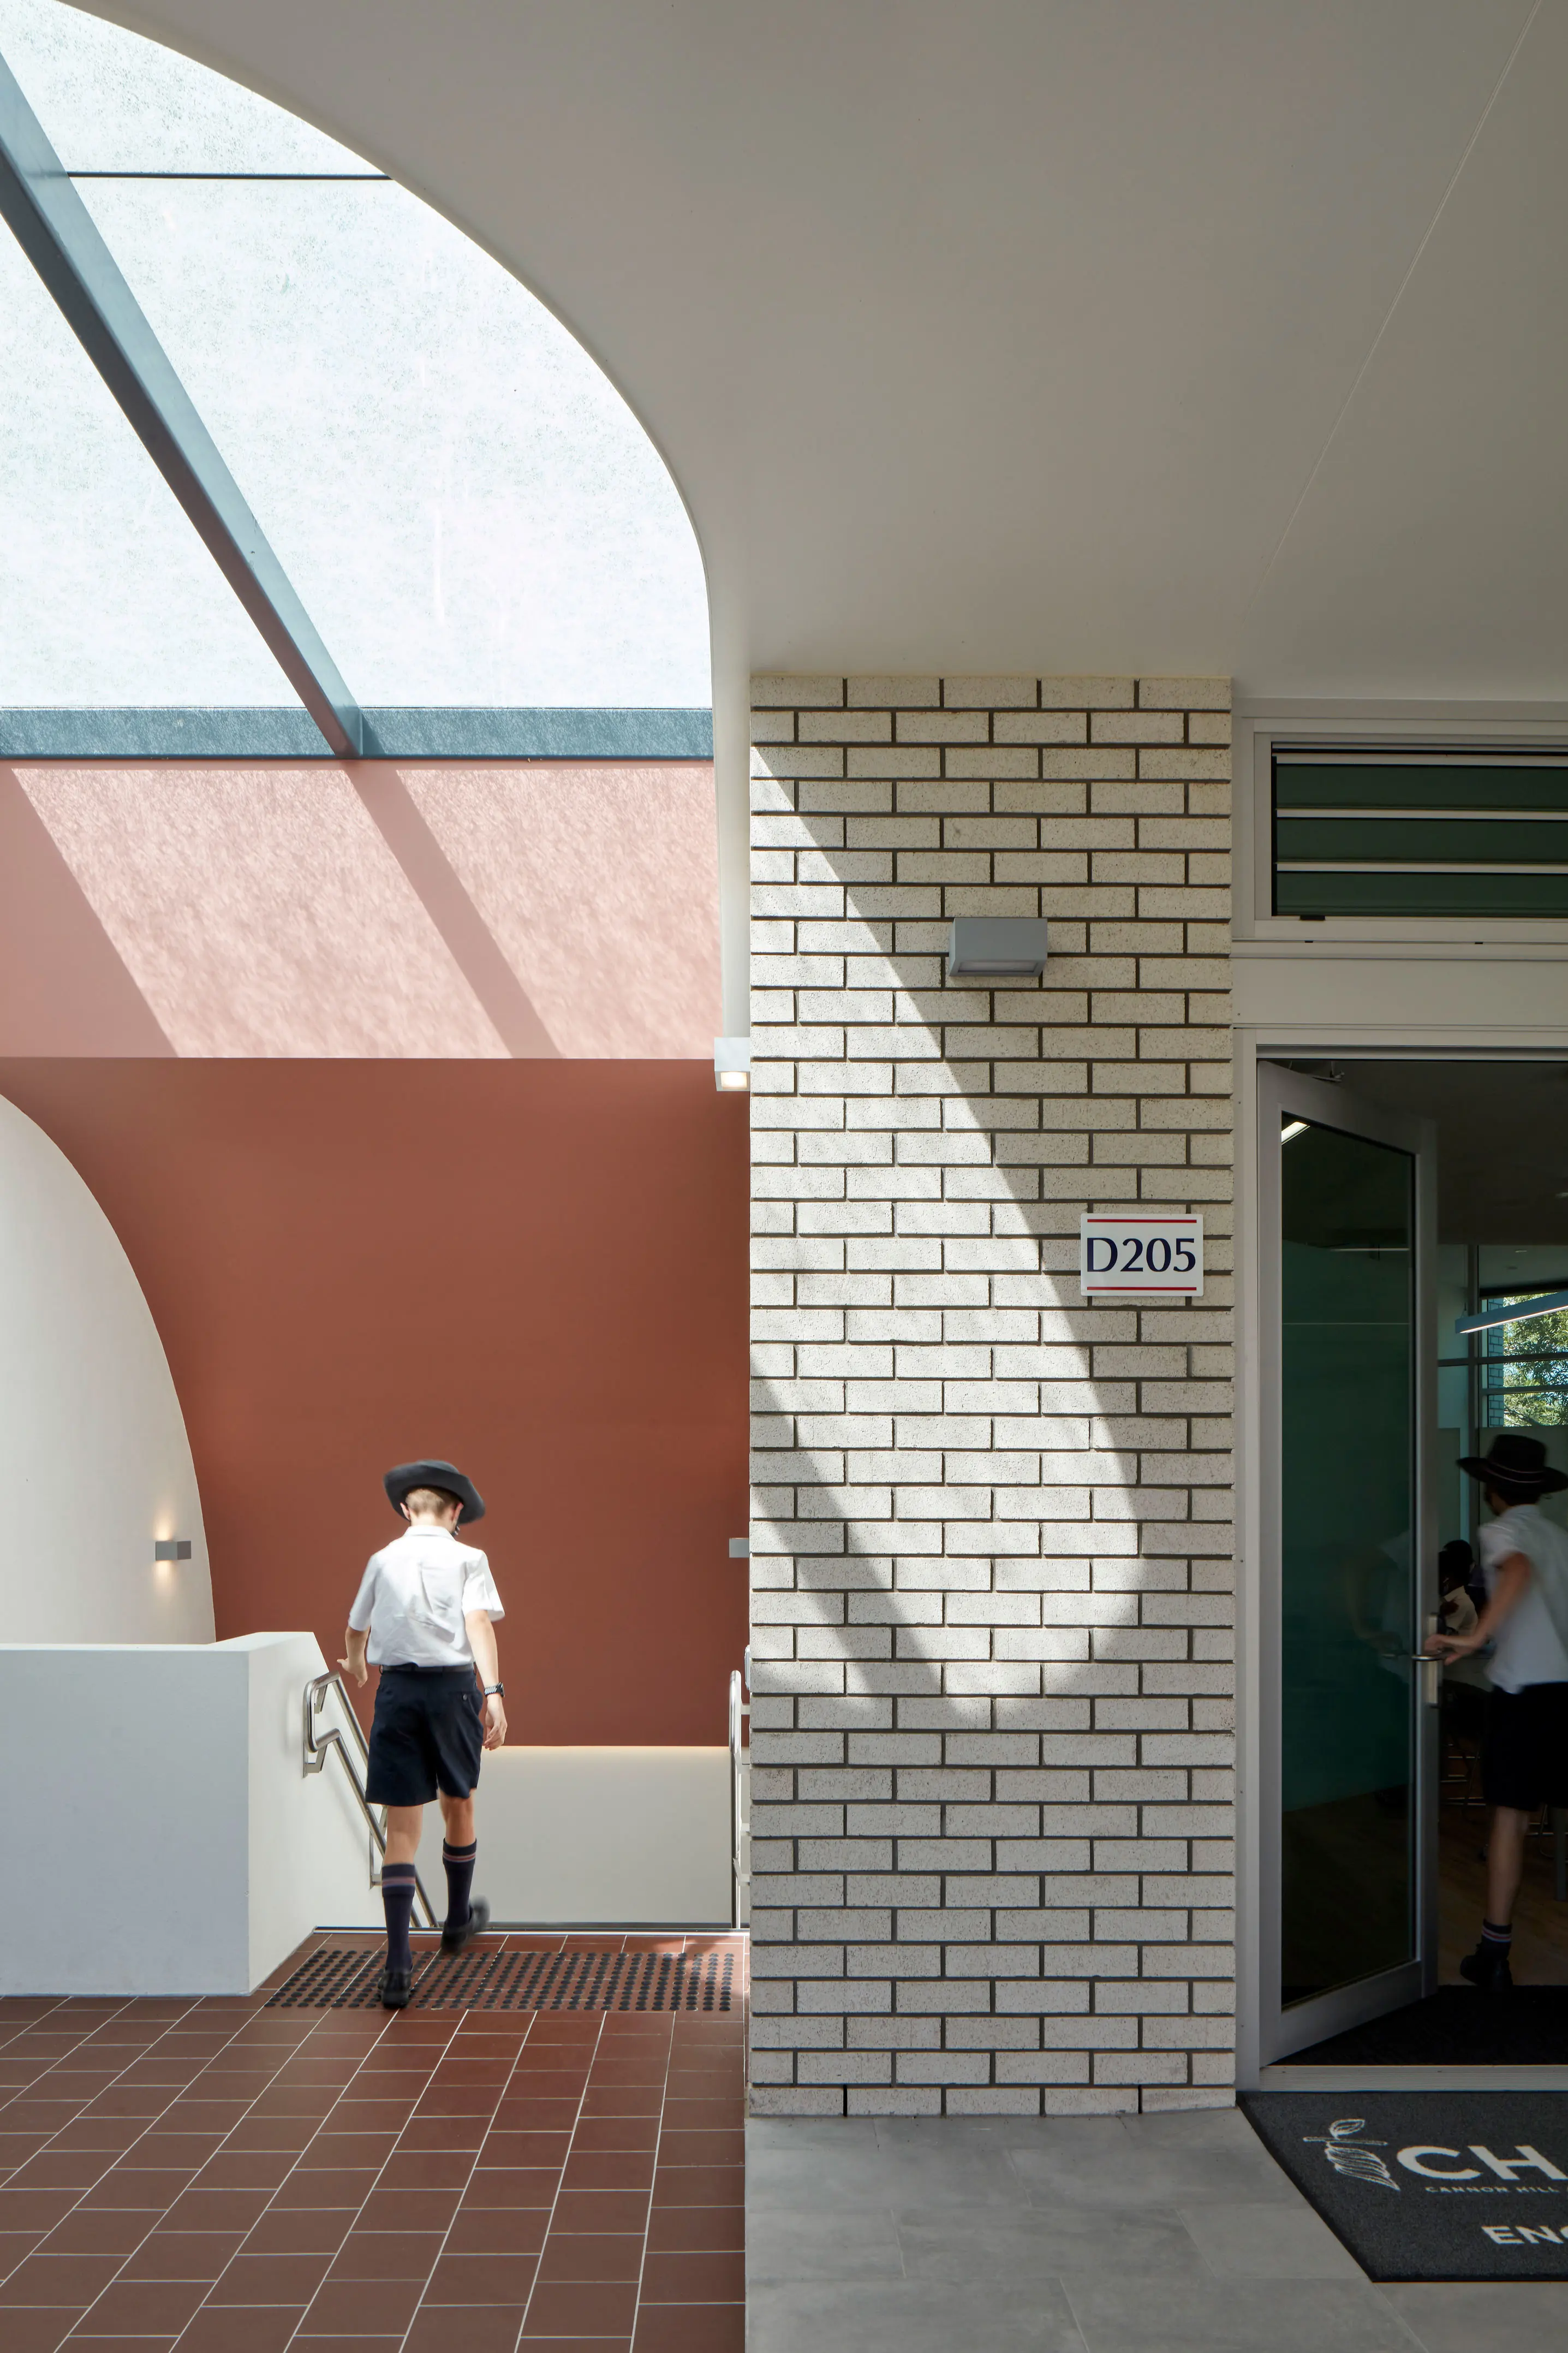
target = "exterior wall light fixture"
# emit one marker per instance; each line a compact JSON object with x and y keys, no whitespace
{"x":996,"y":948}
{"x":733,"y":1065}
{"x":172,"y":1549}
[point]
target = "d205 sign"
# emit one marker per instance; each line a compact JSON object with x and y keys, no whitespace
{"x":1160,"y":1255}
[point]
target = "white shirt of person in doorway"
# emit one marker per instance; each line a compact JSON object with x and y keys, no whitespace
{"x":416,"y":1595}
{"x":1524,"y":1560}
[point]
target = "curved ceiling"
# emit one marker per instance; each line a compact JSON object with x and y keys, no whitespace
{"x":1213,"y":335}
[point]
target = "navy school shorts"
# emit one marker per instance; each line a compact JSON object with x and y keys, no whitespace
{"x":428,"y":1734}
{"x":1525,"y":1761}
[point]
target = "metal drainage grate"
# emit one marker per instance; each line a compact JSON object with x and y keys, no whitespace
{"x":342,"y":1978}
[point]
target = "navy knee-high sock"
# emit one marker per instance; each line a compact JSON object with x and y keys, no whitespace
{"x":460,"y":1866}
{"x":397,"y":1900}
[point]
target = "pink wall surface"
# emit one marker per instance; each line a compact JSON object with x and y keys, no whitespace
{"x":436,"y":909}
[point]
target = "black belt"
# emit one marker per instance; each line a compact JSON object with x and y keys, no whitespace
{"x":398,"y":1667}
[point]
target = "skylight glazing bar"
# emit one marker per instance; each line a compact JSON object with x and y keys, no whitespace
{"x":57,"y":233}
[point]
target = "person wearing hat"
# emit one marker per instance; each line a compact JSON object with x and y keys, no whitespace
{"x":1524,"y":1764}
{"x":424,"y":1614}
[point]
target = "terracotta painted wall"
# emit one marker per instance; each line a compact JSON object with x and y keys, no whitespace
{"x":498,"y":909}
{"x":534,"y":1267}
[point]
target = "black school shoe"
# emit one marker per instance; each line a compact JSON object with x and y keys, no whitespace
{"x":395,"y":1987}
{"x":1488,"y":1968}
{"x":479,"y":1920}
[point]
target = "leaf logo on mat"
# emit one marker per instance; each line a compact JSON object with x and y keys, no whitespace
{"x":1360,"y":2159}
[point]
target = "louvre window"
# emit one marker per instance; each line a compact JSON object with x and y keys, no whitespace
{"x":1461,"y":834}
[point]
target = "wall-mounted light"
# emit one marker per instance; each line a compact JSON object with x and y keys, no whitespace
{"x":172,"y":1549}
{"x":1549,"y":1302}
{"x":1292,"y":1128}
{"x":733,"y":1065}
{"x":996,"y":948}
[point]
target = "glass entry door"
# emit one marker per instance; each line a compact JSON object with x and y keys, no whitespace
{"x":1350,"y":1714}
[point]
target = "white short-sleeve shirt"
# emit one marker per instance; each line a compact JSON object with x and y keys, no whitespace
{"x":1529,"y":1649}
{"x":413,"y":1597}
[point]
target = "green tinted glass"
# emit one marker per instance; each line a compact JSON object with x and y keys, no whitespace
{"x":1458,"y":837}
{"x":1348,"y":1593}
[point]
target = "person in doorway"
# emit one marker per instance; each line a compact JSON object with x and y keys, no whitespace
{"x":1524,"y":1763}
{"x":1457,"y":1610}
{"x":424,"y":1614}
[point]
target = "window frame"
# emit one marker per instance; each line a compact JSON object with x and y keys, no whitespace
{"x":1376,"y":728}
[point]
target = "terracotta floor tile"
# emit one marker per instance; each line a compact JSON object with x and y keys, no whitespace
{"x":511,"y":2185}
{"x":702,"y":2147}
{"x":241,"y":2168}
{"x":59,"y":2279}
{"x":507,"y":2147}
{"x":598,"y":2308}
{"x":699,"y":2185}
{"x":601,"y":2210}
{"x":622,"y":2100}
{"x":526,"y":2114}
{"x":300,"y":2231}
{"x":619,"y":2169}
{"x":75,"y":2169}
{"x":39,"y":2330}
{"x":315,"y":2186}
{"x":115,"y":2134}
{"x":234,"y":2329}
{"x":426,"y":2134}
{"x":158,"y":2150}
{"x":362,"y":2308}
{"x":14,"y":2248}
{"x":145,"y":2308}
{"x":600,"y":2133}
{"x":270,"y":2279}
{"x":387,"y":2254}
{"x":182,"y":2255}
{"x":216,"y":2210}
{"x":340,"y":2151}
{"x":33,"y":2210}
{"x":690,"y":2328}
{"x":700,"y":2230}
{"x":135,"y":2187}
{"x":481,"y":2279}
{"x":272,"y":2136}
{"x":693,"y":2278}
{"x":458,"y":2329}
{"x":721,"y":2113}
{"x":408,"y":2169}
{"x":408,"y":2209}
{"x":366,"y":2115}
{"x":102,"y":2230}
{"x":591,"y":2255}
{"x":497,"y":2230}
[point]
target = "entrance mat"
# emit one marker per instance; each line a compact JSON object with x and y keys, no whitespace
{"x":1429,"y":2185}
{"x":344,"y":1978}
{"x":1456,"y":2027}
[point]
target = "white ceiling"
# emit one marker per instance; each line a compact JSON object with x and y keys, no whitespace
{"x":1213,"y":335}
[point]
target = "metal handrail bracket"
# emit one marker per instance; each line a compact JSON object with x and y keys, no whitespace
{"x":320,"y":1745}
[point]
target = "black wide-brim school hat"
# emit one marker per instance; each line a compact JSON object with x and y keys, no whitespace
{"x":1516,"y":1464}
{"x":405,"y":1476}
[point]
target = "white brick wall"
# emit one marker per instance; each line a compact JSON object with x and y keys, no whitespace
{"x":990,"y":1543}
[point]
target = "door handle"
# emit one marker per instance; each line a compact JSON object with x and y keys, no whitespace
{"x":1434,"y":1676}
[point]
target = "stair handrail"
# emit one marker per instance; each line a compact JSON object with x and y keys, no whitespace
{"x":318,"y":1746}
{"x":740,"y":1828}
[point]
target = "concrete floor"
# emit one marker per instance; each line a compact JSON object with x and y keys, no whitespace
{"x":1170,"y":2233}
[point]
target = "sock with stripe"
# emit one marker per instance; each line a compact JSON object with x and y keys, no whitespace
{"x":1500,"y":1937}
{"x":397,"y":1901}
{"x":458,"y":1863}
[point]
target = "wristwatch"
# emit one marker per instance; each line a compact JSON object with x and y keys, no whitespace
{"x":495,"y":1691}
